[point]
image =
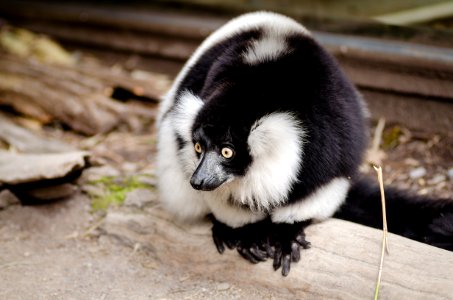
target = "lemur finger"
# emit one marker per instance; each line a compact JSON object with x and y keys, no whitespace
{"x":300,"y":238}
{"x":247,"y":255}
{"x":295,"y":252}
{"x":286,"y":264}
{"x":277,"y":259}
{"x":258,"y":253}
{"x":218,"y":244}
{"x":231,"y":244}
{"x":270,"y":250}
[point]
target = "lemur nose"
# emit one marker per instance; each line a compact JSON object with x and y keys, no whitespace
{"x":196,"y":183}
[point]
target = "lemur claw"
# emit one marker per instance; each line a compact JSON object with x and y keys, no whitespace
{"x":287,"y":239}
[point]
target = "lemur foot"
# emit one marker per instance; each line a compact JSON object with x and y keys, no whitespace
{"x":285,"y":241}
{"x":251,"y":241}
{"x":262,"y":240}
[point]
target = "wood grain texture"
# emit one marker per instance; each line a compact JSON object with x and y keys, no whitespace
{"x":342,"y":263}
{"x":79,"y":96}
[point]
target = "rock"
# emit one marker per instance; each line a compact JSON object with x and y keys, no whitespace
{"x":93,"y":190}
{"x":223,"y":286}
{"x":411,"y":162}
{"x":26,"y":141}
{"x":52,"y":193}
{"x":450,"y":173}
{"x":95,"y":173}
{"x":417,"y":173}
{"x":437,"y":179}
{"x":7,"y":198}
{"x":129,"y":168}
{"x":26,"y":168}
{"x":139,"y":197}
{"x":147,"y":179}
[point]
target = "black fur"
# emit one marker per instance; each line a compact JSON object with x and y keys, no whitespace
{"x":180,"y":141}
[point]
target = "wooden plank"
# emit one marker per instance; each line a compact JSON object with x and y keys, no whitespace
{"x":335,"y":9}
{"x":140,"y":19}
{"x":342,"y":263}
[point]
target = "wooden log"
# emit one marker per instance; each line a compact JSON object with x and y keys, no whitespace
{"x":151,"y":43}
{"x":76,"y":96}
{"x":385,"y":69}
{"x":343,"y":262}
{"x":418,"y":15}
{"x":380,"y":66}
{"x":370,"y":63}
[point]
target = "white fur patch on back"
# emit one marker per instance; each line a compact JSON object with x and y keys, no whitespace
{"x":268,"y":48}
{"x":275,"y":143}
{"x":320,"y":205}
{"x":272,"y":44}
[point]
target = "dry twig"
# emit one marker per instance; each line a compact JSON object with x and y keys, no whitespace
{"x":385,"y":230}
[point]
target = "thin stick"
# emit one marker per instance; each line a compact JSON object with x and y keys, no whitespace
{"x":93,"y":227}
{"x":385,"y":230}
{"x":378,"y":135}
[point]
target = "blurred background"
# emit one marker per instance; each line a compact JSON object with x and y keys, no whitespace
{"x":400,"y":46}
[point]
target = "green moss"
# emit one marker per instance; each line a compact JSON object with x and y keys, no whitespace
{"x":391,"y":137}
{"x":113,"y":190}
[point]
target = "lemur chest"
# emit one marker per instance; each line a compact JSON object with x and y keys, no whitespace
{"x":230,"y":212}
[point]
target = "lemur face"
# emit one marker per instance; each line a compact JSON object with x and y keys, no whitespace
{"x":220,"y":157}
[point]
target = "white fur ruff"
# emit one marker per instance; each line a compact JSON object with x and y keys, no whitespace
{"x":275,"y":143}
{"x":175,"y":168}
{"x":225,"y":212}
{"x":320,"y":205}
{"x":175,"y":192}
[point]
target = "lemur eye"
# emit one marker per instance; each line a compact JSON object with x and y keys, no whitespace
{"x":198,"y":148}
{"x":227,"y":152}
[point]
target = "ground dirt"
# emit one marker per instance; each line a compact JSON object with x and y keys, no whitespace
{"x":49,"y":253}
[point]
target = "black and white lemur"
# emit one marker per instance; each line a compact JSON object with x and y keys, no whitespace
{"x":262,"y":132}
